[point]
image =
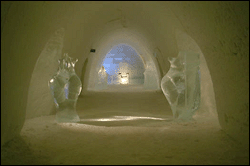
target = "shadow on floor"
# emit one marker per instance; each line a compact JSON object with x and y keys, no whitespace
{"x":18,"y":152}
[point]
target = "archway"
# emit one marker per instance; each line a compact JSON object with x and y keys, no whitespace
{"x":132,"y":39}
{"x":123,"y":66}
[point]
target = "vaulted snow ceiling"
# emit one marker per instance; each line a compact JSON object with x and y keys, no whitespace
{"x":220,"y":31}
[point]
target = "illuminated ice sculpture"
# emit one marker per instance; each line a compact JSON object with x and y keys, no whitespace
{"x":181,"y":85}
{"x":102,"y":80}
{"x":124,"y":78}
{"x":65,"y":87}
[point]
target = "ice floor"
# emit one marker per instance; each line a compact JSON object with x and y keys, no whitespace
{"x":124,"y":128}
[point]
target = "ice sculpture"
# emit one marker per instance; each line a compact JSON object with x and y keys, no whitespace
{"x":181,"y":85}
{"x":123,"y":78}
{"x":65,"y":87}
{"x":150,"y":79}
{"x":102,"y":81}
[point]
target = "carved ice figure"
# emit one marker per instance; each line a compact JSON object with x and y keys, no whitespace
{"x":150,"y":79}
{"x":102,"y":81}
{"x":181,"y":85}
{"x":65,"y":87}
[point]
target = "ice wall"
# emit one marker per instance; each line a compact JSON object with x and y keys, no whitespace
{"x":40,"y":101}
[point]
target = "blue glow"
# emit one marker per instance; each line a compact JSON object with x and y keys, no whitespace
{"x":66,"y":90}
{"x":123,"y":55}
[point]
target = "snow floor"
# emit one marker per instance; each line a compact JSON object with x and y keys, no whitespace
{"x":130,"y":127}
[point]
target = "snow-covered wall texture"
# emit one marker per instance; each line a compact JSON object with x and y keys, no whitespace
{"x":220,"y":29}
{"x":40,"y":101}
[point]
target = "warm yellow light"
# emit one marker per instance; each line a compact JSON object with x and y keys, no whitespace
{"x":124,"y":81}
{"x":123,"y":118}
{"x":82,"y":126}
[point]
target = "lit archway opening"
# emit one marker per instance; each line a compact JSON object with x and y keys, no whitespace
{"x":123,"y":66}
{"x":144,"y":52}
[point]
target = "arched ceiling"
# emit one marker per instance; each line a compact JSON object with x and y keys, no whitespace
{"x":88,"y":22}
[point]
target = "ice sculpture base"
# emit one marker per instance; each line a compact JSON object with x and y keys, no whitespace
{"x":184,"y":117}
{"x":67,"y":116}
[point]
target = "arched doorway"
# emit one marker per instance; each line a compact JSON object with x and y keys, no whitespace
{"x":123,"y":66}
{"x":144,"y":62}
